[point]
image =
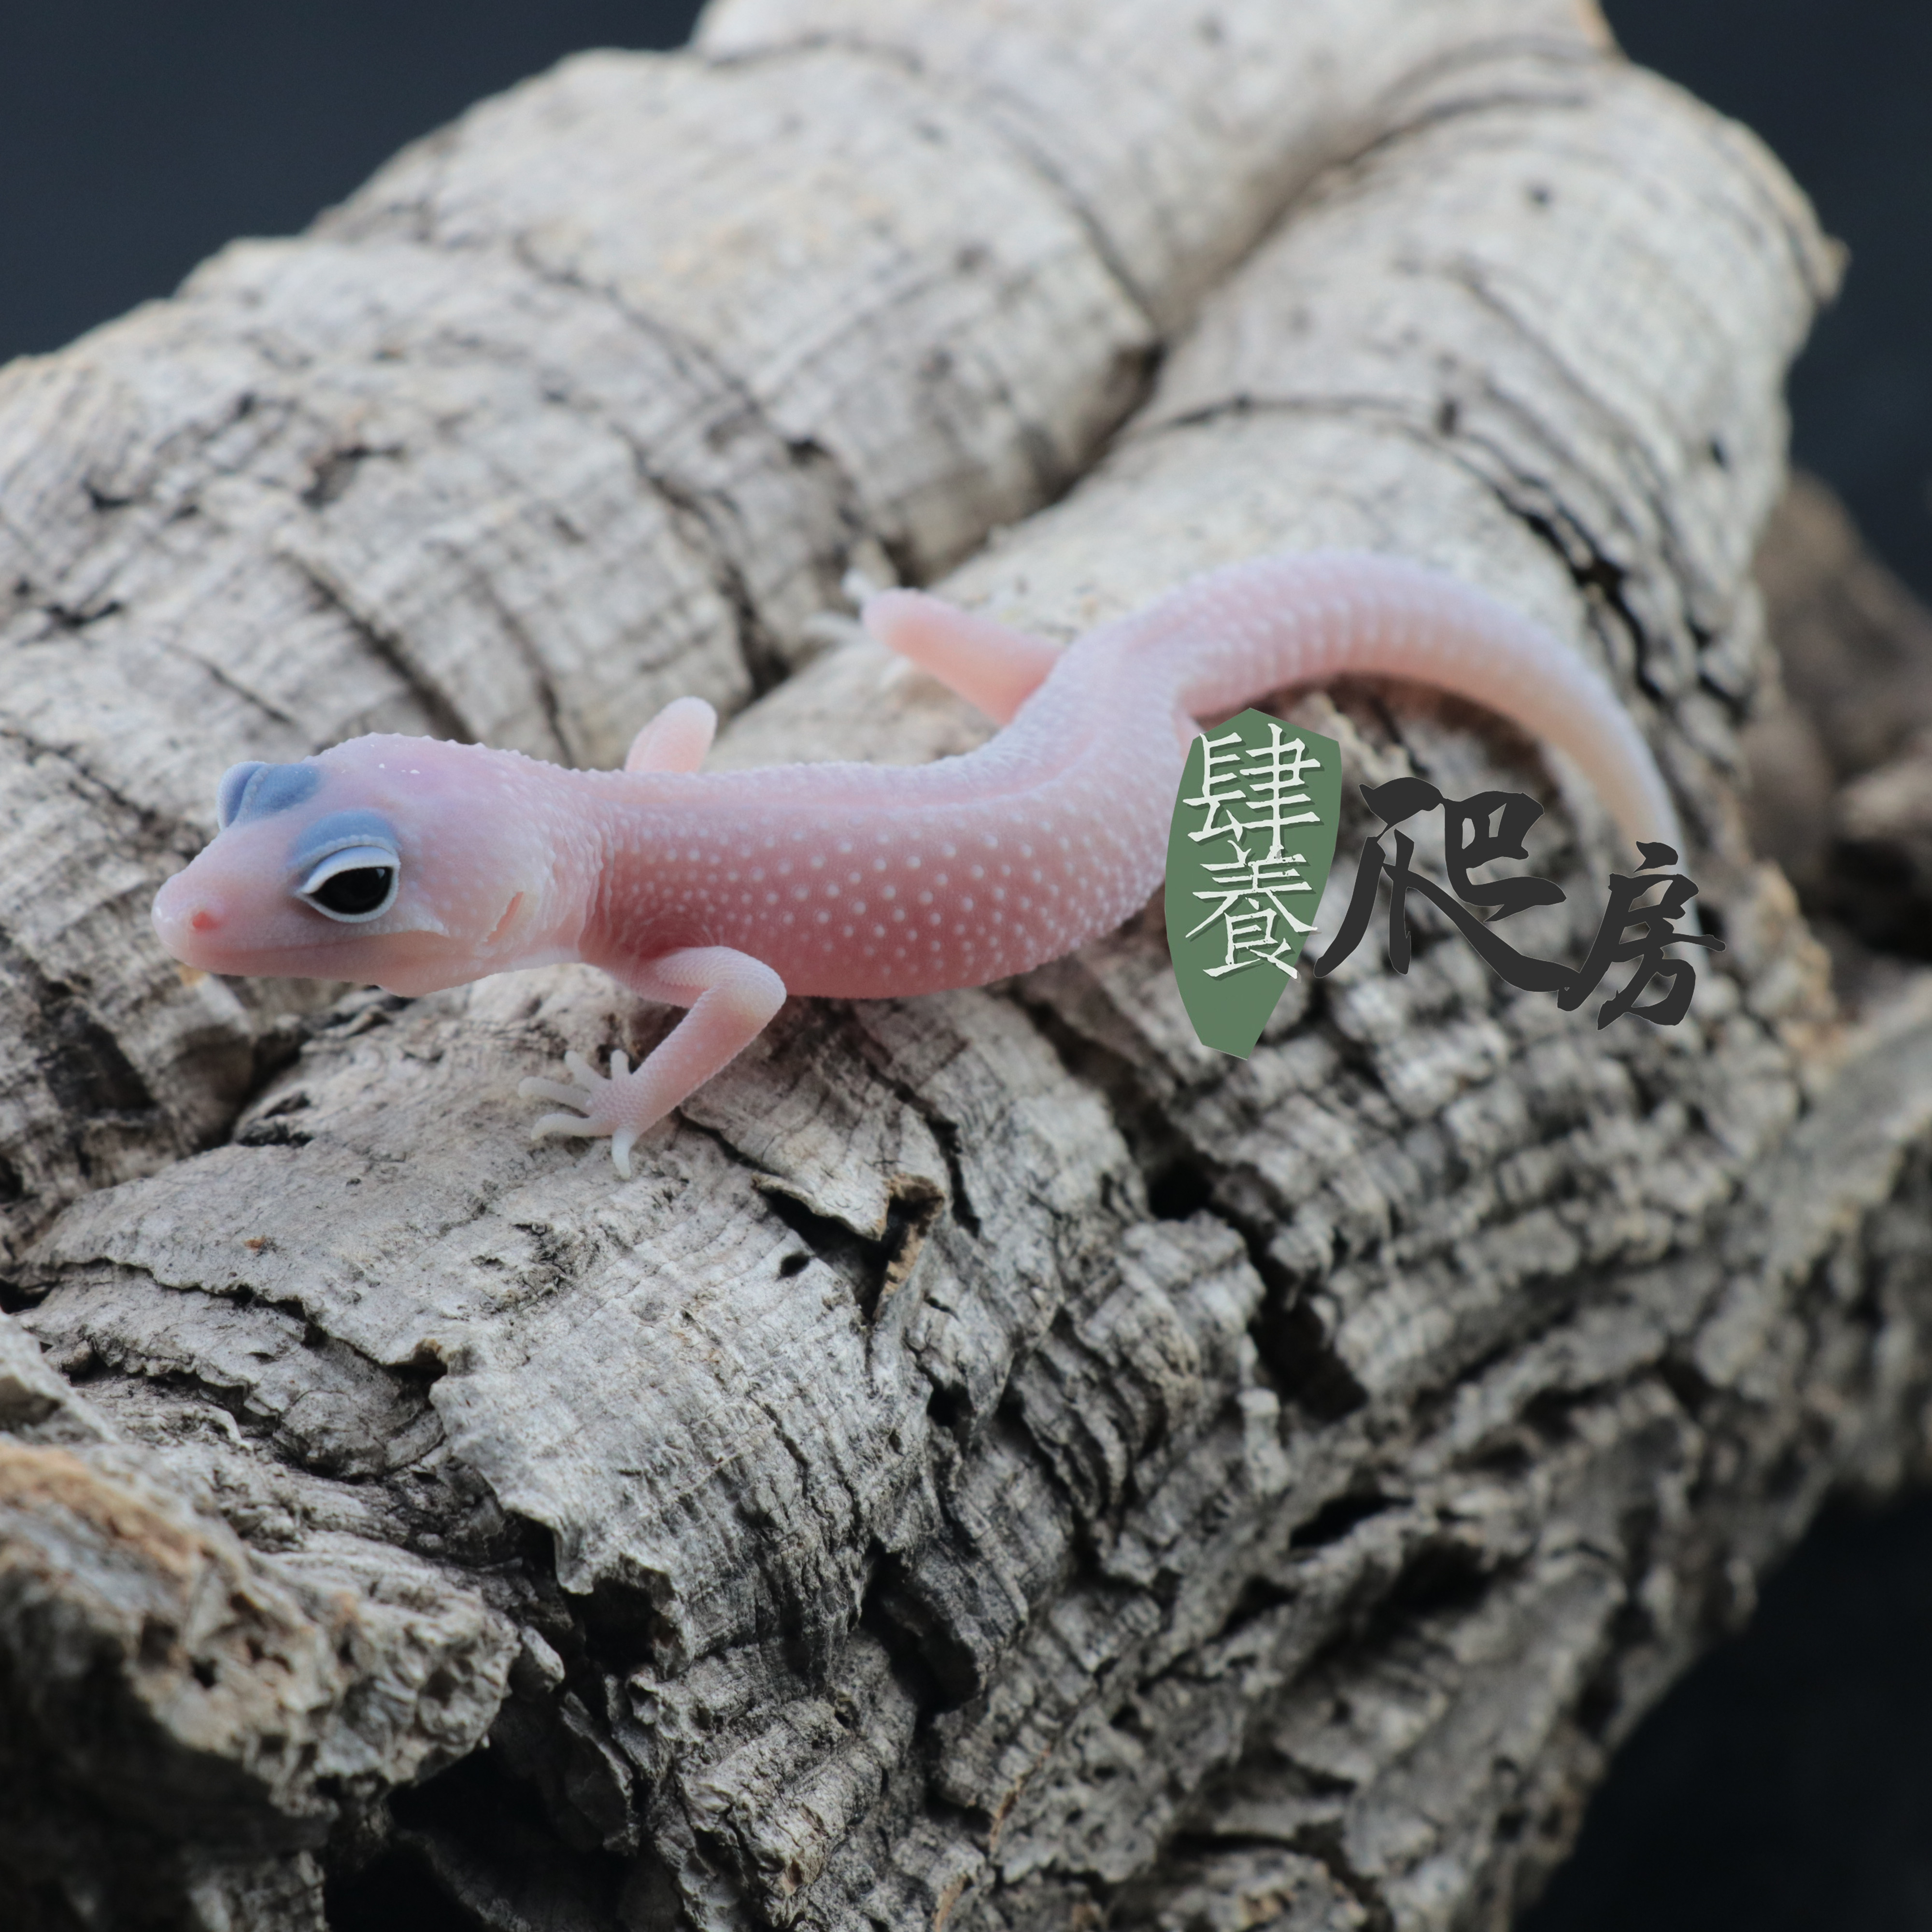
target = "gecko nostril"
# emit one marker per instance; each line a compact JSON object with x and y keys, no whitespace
{"x":203,"y":920}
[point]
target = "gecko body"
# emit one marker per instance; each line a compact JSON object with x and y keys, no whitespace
{"x":416,"y":865}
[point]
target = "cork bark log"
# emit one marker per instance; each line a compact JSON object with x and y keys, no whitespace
{"x":1846,"y":798}
{"x":1000,"y":1464}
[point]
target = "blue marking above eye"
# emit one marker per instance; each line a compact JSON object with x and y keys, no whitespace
{"x":256,"y":790}
{"x":337,"y":832}
{"x":234,"y":782}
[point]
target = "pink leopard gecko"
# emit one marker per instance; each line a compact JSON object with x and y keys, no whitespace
{"x":417,"y":865}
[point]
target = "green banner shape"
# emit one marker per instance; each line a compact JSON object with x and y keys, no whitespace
{"x":1253,"y":842}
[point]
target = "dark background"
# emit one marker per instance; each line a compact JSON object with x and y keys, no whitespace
{"x":1786,"y":1785}
{"x":137,"y":135}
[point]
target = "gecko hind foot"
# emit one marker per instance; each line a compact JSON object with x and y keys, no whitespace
{"x":989,"y":664}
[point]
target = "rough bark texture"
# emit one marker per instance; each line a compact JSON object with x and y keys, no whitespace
{"x":1001,"y":1462}
{"x":1842,"y":766}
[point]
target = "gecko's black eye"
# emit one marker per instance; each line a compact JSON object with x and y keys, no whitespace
{"x":357,"y":883}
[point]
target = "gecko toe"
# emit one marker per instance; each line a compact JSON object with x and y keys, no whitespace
{"x":622,"y":1142}
{"x":534,"y":1089}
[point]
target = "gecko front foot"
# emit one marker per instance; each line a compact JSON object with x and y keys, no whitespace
{"x":731,"y":996}
{"x":622,"y":1104}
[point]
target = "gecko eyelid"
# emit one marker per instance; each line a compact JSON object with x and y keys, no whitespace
{"x":356,"y":884}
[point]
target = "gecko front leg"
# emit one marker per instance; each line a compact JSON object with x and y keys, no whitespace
{"x":732,"y":997}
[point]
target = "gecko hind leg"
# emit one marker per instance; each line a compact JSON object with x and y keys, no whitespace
{"x":731,"y":997}
{"x":675,"y":740}
{"x":994,"y":668}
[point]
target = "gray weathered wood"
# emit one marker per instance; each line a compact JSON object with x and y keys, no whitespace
{"x":1000,"y":1462}
{"x":1842,"y":764}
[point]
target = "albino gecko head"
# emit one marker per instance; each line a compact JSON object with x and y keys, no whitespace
{"x":402,"y":862}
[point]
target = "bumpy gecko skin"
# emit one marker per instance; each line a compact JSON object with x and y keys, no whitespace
{"x":416,"y":865}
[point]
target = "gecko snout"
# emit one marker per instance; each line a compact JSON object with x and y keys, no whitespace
{"x":183,"y":912}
